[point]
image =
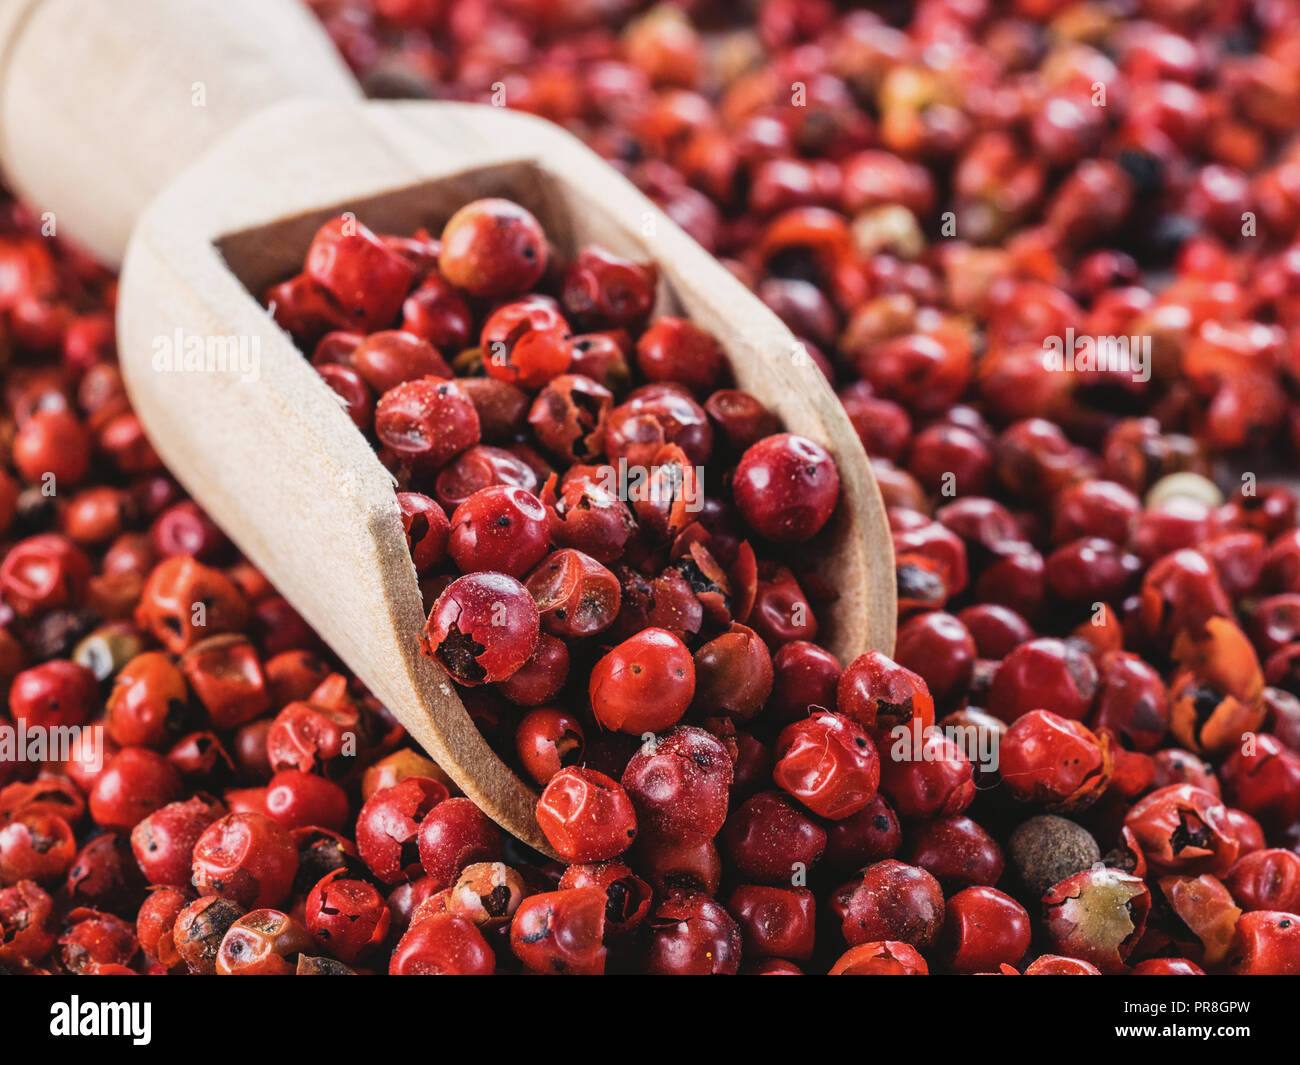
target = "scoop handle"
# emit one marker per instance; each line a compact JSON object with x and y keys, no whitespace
{"x":104,"y":102}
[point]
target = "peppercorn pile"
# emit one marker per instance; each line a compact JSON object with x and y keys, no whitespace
{"x":1099,"y":583}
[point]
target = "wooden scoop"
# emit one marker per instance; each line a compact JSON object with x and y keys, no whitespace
{"x":270,"y":454}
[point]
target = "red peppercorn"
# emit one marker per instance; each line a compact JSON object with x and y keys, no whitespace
{"x":996,"y":630}
{"x":786,"y":487}
{"x":952,"y":459}
{"x":1132,"y":701}
{"x":982,"y":929}
{"x":547,"y":740}
{"x":527,"y":343}
{"x":442,"y":945}
{"x":263,"y":942}
{"x":880,"y":959}
{"x":454,"y":834}
{"x":277,"y":627}
{"x":652,"y":416}
{"x":934,"y":778}
{"x":482,"y":628}
{"x":627,"y":896}
{"x":349,"y":386}
{"x":880,"y":695}
{"x":803,"y":676}
{"x":296,"y":799}
{"x":542,"y":677}
{"x":95,"y":515}
{"x":226,"y":674}
{"x":97,"y":942}
{"x":389,"y":824}
{"x":873,"y":833}
{"x":774,"y":922}
{"x":45,"y":795}
{"x":43,"y":572}
{"x":893,"y":899}
{"x":741,"y":418}
{"x":52,"y":444}
{"x":692,"y":935}
{"x":1181,"y":591}
{"x":602,"y":290}
{"x":386,"y":359}
{"x":1176,"y":766}
{"x":365,"y":278}
{"x":148,"y":703}
{"x":321,"y":851}
{"x":1262,"y":778}
{"x":35,"y":846}
{"x":1246,"y":830}
{"x":665,"y":496}
{"x":183,"y":601}
{"x":199,"y":929}
{"x":346,"y":917}
{"x":1051,"y":761}
{"x":588,"y":517}
{"x":396,"y":767}
{"x":939,"y":649}
{"x":164,"y":841}
{"x":52,"y":695}
{"x":1183,"y":829}
{"x":28,"y":924}
{"x":306,"y":309}
{"x":1068,"y":910}
{"x":645,"y":684}
{"x":202,"y":759}
{"x":183,"y":529}
{"x":426,"y":422}
{"x":568,"y":417}
{"x":561,"y":932}
{"x":586,"y":816}
{"x":487,"y":893}
{"x":1266,"y":880}
{"x":291,"y":676}
{"x":245,"y":857}
{"x":733,"y":674}
{"x":311,"y":736}
{"x":677,"y":350}
{"x":1044,"y":672}
{"x":1266,"y":943}
{"x":689,"y":862}
{"x":957,"y":851}
{"x":576,"y":596}
{"x":436,"y":312}
{"x":499,"y":528}
{"x":768,"y":839}
{"x":426,"y":527}
{"x":829,"y":764}
{"x":492,"y":247}
{"x":603,"y":357}
{"x":134,"y":784}
{"x":680,"y":783}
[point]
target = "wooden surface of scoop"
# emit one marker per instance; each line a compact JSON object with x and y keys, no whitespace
{"x":266,"y":446}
